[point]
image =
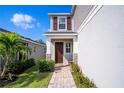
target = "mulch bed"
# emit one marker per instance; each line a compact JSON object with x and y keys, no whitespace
{"x":5,"y":81}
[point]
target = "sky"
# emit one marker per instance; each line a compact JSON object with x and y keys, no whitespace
{"x":29,"y":21}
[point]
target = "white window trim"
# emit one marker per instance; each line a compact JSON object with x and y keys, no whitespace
{"x":70,"y":47}
{"x":65,"y":23}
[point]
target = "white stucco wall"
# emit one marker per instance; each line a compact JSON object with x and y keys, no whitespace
{"x":101,"y":47}
{"x":80,"y":14}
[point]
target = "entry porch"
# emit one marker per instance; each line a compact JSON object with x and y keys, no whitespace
{"x":62,"y":48}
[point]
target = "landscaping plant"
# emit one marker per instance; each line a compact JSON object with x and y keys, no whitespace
{"x":45,"y":65}
{"x":10,"y":45}
{"x":19,"y":67}
{"x":80,"y":79}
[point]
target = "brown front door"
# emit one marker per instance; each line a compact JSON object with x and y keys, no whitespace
{"x":59,"y":52}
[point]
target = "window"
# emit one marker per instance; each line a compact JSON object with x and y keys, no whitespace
{"x":62,"y":23}
{"x":68,"y":47}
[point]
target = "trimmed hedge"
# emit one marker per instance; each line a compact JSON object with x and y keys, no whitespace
{"x":45,"y":65}
{"x":19,"y":67}
{"x":80,"y":79}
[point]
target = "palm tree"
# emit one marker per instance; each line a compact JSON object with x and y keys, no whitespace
{"x":11,"y":45}
{"x":4,"y":41}
{"x":2,"y":51}
{"x":2,"y":54}
{"x":20,"y":48}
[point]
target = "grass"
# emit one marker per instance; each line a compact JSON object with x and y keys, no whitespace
{"x":31,"y":79}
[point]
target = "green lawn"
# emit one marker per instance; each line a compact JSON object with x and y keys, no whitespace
{"x":31,"y":79}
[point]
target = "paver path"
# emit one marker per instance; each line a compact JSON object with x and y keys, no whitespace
{"x":62,"y":77}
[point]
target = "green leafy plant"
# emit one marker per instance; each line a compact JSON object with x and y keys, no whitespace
{"x":19,"y":67}
{"x":75,"y":67}
{"x":10,"y":45}
{"x":45,"y":65}
{"x":80,"y":79}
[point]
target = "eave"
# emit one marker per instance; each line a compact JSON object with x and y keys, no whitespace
{"x":61,"y":33}
{"x":59,"y":14}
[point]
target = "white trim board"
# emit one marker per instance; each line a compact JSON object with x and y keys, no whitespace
{"x":91,"y":14}
{"x":60,"y":34}
{"x":58,"y":18}
{"x":59,"y":14}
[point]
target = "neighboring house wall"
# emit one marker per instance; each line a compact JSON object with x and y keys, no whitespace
{"x":101,"y":47}
{"x":38,"y":51}
{"x":80,"y":14}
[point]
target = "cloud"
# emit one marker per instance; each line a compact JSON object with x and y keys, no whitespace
{"x":23,"y":20}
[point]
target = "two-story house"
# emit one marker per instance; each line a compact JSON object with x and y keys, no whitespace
{"x":92,"y":36}
{"x":62,"y":39}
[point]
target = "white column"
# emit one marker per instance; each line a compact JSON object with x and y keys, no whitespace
{"x":48,"y":46}
{"x":51,"y":23}
{"x":75,"y":49}
{"x":75,"y":45}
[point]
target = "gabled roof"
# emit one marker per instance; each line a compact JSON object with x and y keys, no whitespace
{"x":22,"y":37}
{"x":73,"y":9}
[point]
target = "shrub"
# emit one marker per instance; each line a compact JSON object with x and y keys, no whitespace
{"x":18,"y":66}
{"x":45,"y":65}
{"x":75,"y":67}
{"x":80,"y":79}
{"x":29,"y":63}
{"x":51,"y":65}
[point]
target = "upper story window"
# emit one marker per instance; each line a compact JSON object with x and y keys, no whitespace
{"x":62,"y":23}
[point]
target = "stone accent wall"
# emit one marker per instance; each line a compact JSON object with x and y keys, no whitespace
{"x":48,"y":56}
{"x":75,"y":57}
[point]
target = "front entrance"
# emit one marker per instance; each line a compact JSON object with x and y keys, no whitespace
{"x":59,"y":52}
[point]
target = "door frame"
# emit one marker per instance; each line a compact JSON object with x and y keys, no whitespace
{"x":62,"y":50}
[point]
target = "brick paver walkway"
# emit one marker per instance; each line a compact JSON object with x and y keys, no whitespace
{"x":62,"y":77}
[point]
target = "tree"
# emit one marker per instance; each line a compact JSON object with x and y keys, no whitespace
{"x":21,"y":48}
{"x":40,"y":41}
{"x":10,"y":45}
